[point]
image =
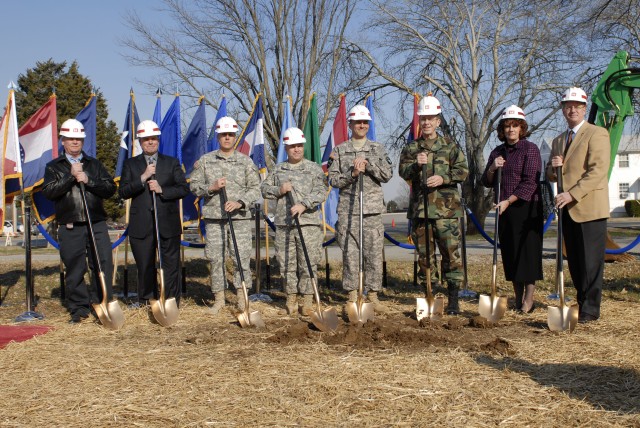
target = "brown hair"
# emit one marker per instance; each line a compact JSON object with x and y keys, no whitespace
{"x":524,"y":128}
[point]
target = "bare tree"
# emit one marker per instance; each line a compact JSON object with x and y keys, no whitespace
{"x":246,"y":47}
{"x":479,"y":57}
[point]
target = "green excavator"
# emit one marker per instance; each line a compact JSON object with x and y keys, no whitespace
{"x":612,"y":105}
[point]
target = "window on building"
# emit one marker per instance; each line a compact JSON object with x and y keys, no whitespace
{"x":623,"y":160}
{"x":623,"y":189}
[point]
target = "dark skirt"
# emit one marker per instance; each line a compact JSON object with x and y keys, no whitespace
{"x":520,"y":232}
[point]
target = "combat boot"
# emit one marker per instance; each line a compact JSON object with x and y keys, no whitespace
{"x":453,"y":307}
{"x":218,"y":304}
{"x":307,"y":305}
{"x":240,"y":296}
{"x":292,"y":304}
{"x":378,"y":306}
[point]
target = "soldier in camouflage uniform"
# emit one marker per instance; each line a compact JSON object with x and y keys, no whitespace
{"x":232,"y":170}
{"x":446,"y":167}
{"x":307,"y":183}
{"x":349,"y":160}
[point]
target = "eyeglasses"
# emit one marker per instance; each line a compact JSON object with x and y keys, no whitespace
{"x":574,"y":107}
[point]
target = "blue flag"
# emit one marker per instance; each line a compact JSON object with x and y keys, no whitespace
{"x":212,"y":143}
{"x":171,"y":138}
{"x":371,"y":134}
{"x":128,"y":140}
{"x":193,"y":147}
{"x":157,"y":111}
{"x":287,"y":122}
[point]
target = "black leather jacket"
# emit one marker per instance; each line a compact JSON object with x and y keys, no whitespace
{"x":62,"y":188}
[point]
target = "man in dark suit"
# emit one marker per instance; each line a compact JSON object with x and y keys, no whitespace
{"x":583,"y":152}
{"x":148,"y":175}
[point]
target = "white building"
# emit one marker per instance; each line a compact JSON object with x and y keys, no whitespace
{"x":624,"y":182}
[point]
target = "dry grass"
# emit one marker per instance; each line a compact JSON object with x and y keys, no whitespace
{"x":208,"y":371}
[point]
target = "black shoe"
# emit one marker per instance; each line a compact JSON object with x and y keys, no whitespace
{"x":584,"y":318}
{"x":453,"y":311}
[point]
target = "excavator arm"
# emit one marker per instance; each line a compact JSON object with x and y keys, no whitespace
{"x":613,"y":99}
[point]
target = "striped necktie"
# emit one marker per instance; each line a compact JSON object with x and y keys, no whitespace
{"x":569,"y":140}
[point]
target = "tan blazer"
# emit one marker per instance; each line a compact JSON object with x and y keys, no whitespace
{"x":584,"y":172}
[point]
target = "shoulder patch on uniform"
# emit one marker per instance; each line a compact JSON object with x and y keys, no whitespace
{"x":331,"y":158}
{"x":195,"y":165}
{"x":388,"y":160}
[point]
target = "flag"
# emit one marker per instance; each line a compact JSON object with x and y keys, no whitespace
{"x":157,"y":111}
{"x":338,"y":135}
{"x":195,"y":140}
{"x":287,"y":122}
{"x":39,"y":145}
{"x":251,"y":141}
{"x":312,"y":133}
{"x":212,"y":143}
{"x":193,"y":147}
{"x":414,"y":129}
{"x":129,"y":145}
{"x":171,"y":129}
{"x":11,"y":167}
{"x":371,"y":133}
{"x":87,"y":117}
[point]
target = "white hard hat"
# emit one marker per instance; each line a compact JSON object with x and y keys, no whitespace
{"x":72,"y":128}
{"x":574,"y":94}
{"x":226,"y":125}
{"x":513,"y":112}
{"x":293,"y":136}
{"x":429,"y":106}
{"x":359,"y":112}
{"x":147,"y":128}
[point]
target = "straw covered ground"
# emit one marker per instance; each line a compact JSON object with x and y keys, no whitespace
{"x":208,"y":371}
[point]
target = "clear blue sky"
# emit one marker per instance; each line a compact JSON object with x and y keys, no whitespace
{"x":88,"y":32}
{"x":84,"y":31}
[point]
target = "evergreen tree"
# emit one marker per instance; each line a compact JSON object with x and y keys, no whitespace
{"x":72,"y":91}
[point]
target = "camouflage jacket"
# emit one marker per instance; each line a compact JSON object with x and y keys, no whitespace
{"x":378,"y":171}
{"x":309,"y":188}
{"x":446,"y":160}
{"x":243,"y":183}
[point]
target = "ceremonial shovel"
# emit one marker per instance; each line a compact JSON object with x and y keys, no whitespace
{"x":165,"y":311}
{"x":563,"y":317}
{"x":326,"y":320}
{"x":428,"y":306}
{"x":110,"y":314}
{"x":245,"y":318}
{"x":493,"y":307}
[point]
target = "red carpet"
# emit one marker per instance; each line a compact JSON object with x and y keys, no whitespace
{"x":19,"y":333}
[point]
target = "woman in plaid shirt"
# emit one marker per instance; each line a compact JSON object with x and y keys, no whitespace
{"x":520,"y":205}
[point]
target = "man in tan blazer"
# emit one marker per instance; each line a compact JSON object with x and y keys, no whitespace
{"x":583,"y":153}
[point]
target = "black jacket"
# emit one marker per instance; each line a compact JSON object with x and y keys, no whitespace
{"x":62,"y":188}
{"x":171,"y":178}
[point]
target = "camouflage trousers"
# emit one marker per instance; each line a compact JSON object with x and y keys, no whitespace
{"x":293,"y":265}
{"x":347,"y":235}
{"x":219,"y":245}
{"x":447,"y":236}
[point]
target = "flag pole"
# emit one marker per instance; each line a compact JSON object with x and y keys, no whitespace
{"x":266,"y":239}
{"x":327,"y":269}
{"x":127,"y":204}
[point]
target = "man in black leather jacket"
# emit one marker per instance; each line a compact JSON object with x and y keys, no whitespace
{"x":62,"y":180}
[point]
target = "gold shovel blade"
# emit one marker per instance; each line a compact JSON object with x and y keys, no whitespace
{"x":326,"y":321}
{"x":250,"y":319}
{"x":432,"y":310}
{"x":562,"y":318}
{"x":166,"y":315}
{"x":492,"y":309}
{"x":110,"y":314}
{"x":361,"y":314}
